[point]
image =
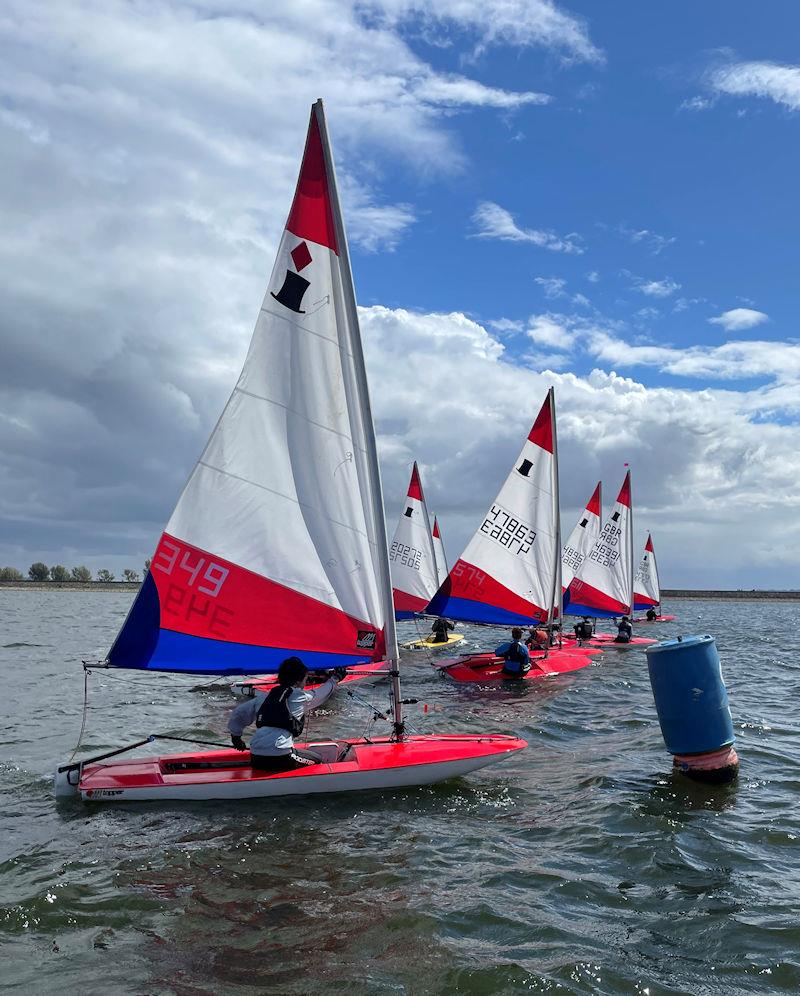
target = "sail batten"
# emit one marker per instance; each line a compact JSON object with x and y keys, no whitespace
{"x":506,"y":574}
{"x":276,"y":546}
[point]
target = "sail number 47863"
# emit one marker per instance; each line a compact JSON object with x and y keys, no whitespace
{"x":508,"y":531}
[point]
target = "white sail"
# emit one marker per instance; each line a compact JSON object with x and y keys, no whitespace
{"x":646,"y":589}
{"x":506,"y":574}
{"x":277,"y":543}
{"x":582,"y":538}
{"x":411,"y":554}
{"x":603,"y":584}
{"x":438,"y":551}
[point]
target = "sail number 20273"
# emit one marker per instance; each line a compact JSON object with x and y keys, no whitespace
{"x":212,"y":577}
{"x":508,"y":531}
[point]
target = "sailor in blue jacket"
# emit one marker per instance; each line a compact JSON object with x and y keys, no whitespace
{"x":515,"y":654}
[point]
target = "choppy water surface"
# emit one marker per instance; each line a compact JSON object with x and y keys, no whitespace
{"x":579,"y":866}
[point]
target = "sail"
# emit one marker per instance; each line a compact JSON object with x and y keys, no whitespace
{"x":603,"y":584}
{"x":411,"y":555}
{"x":646,"y":590}
{"x":582,"y":538}
{"x":506,"y":574}
{"x":438,"y":552}
{"x":277,"y":544}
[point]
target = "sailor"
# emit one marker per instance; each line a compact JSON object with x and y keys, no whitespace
{"x":279,"y":717}
{"x":652,"y":615}
{"x":537,"y":638}
{"x":515,"y":655}
{"x":439,"y":630}
{"x":584,"y":629}
{"x":624,"y":631}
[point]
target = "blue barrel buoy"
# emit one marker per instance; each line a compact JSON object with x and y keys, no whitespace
{"x":692,"y":705}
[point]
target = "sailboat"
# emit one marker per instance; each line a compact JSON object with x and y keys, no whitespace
{"x":583,"y":537}
{"x":415,"y":565}
{"x":277,"y":546}
{"x":603,"y":583}
{"x":510,"y":572}
{"x":646,"y":589}
{"x":412,"y":557}
{"x":438,"y":551}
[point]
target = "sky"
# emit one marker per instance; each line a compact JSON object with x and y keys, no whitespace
{"x":597,"y":197}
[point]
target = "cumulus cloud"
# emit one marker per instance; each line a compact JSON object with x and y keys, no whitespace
{"x":495,"y":222}
{"x":550,"y":330}
{"x":777,"y":361}
{"x":705,"y":463}
{"x":739,"y":319}
{"x":759,"y":79}
{"x":147,"y":168}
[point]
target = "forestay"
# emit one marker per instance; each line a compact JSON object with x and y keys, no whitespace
{"x":411,"y":555}
{"x":438,"y":552}
{"x":603,"y":584}
{"x":274,"y":546}
{"x":646,"y":590}
{"x":506,"y":575}
{"x":582,"y":538}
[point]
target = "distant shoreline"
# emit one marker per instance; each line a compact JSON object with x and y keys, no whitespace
{"x":738,"y":595}
{"x":73,"y":585}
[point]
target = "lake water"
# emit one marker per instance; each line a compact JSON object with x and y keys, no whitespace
{"x":581,"y":865}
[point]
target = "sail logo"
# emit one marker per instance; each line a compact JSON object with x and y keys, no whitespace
{"x":366,"y":639}
{"x":294,"y":286}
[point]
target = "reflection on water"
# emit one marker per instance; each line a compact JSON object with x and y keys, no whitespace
{"x":582,"y":865}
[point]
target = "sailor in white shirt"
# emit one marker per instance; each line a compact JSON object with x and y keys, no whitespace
{"x":280,"y":716}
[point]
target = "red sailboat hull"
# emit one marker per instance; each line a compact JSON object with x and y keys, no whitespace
{"x":350,"y":765}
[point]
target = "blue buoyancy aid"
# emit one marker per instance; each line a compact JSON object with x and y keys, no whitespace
{"x":516,"y":658}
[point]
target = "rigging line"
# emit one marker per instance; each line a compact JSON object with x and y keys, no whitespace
{"x":85,"y":709}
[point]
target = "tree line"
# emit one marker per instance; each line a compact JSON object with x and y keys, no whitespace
{"x":41,"y":572}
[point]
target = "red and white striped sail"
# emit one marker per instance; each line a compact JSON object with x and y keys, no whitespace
{"x":438,"y":551}
{"x":411,"y":554}
{"x":646,"y":589}
{"x":276,"y":545}
{"x":603,"y":584}
{"x":582,"y":538}
{"x":507,"y":573}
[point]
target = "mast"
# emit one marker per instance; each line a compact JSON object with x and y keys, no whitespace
{"x":630,"y":538}
{"x":376,"y":492}
{"x":555,"y":591}
{"x":431,"y":547}
{"x":655,"y":569}
{"x":557,"y":502}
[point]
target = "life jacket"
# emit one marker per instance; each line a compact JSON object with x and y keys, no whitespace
{"x":274,"y":711}
{"x":584,"y":630}
{"x":624,"y":633}
{"x":515,"y":659}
